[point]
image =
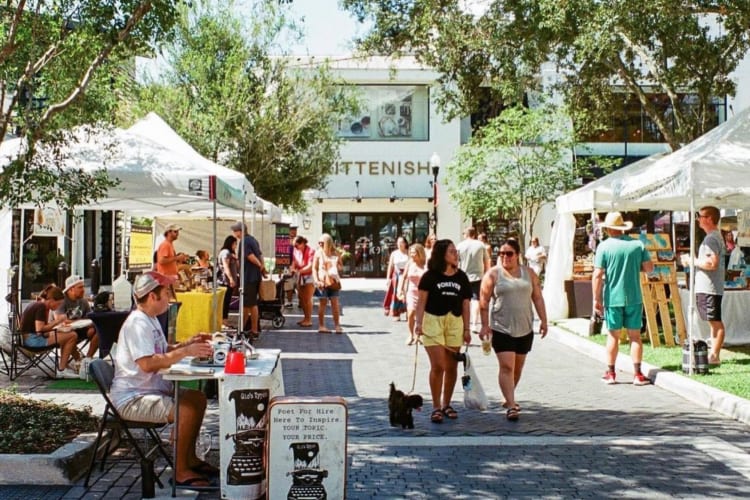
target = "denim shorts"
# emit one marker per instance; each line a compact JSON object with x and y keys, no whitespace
{"x":34,"y":340}
{"x":326,"y":293}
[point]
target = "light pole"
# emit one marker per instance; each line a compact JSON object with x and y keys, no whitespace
{"x":435,"y":163}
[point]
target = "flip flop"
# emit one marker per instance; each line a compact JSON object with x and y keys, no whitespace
{"x":339,"y":330}
{"x":302,"y":323}
{"x":192,"y":483}
{"x":206,"y":469}
{"x":324,"y":330}
{"x":512,"y":414}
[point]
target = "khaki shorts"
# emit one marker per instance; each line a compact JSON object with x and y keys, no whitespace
{"x":156,"y":408}
{"x":447,"y":330}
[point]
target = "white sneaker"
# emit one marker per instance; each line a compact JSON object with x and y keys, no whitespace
{"x":67,"y":373}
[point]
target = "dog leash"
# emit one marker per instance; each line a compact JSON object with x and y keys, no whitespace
{"x":416,"y":356}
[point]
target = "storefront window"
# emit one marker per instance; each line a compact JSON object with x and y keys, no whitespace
{"x":366,"y":240}
{"x":389,"y":113}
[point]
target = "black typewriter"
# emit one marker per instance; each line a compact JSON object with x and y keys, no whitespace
{"x":246,"y":464}
{"x":307,"y":476}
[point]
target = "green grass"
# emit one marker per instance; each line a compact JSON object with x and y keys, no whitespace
{"x":72,"y":385}
{"x":732,"y":376}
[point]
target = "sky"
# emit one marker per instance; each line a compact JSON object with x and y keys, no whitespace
{"x":328,"y":28}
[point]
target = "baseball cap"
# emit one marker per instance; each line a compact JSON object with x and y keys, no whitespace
{"x":173,"y":227}
{"x":148,"y":282}
{"x":237,"y":226}
{"x":73,"y":280}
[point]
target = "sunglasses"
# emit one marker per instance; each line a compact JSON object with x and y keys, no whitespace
{"x":506,"y":254}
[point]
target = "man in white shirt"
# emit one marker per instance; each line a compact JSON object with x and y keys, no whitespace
{"x":474,"y":261}
{"x":140,"y":393}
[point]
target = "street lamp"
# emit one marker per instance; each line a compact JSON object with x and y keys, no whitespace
{"x":435,"y":163}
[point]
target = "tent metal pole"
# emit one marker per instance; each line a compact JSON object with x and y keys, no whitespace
{"x":692,"y":308}
{"x":21,"y":242}
{"x":214,"y":299}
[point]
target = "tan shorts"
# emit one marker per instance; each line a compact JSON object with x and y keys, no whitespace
{"x":156,"y":408}
{"x":447,"y":330}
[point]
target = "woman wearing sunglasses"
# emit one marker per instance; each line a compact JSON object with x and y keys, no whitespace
{"x":512,"y":289}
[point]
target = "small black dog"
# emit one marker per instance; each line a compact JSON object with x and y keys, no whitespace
{"x":400,"y":407}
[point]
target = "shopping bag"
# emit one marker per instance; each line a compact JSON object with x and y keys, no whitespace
{"x":267,"y":290}
{"x":474,"y":396}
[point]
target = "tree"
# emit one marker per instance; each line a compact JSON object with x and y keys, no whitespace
{"x":519,"y":161}
{"x":62,"y":64}
{"x":606,"y":51}
{"x":243,"y":108}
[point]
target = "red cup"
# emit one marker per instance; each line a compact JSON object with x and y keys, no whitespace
{"x":235,"y":363}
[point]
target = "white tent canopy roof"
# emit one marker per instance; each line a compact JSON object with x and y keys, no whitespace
{"x":159,"y":173}
{"x":714,"y":169}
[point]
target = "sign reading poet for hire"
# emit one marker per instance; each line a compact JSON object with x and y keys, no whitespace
{"x":307,"y":448}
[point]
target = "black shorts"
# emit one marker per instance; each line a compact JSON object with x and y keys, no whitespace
{"x":502,"y":342}
{"x":709,"y":306}
{"x":250,"y":294}
{"x":475,"y":287}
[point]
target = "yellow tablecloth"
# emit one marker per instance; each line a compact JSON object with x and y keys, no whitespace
{"x":196,"y":313}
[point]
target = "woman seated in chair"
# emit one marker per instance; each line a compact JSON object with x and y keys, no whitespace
{"x":38,"y":331}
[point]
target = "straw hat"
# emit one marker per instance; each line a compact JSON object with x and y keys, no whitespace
{"x":614,"y":221}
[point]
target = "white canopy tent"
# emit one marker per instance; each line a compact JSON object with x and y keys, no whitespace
{"x":596,"y":196}
{"x":158,"y":173}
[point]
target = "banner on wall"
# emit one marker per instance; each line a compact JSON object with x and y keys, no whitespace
{"x":49,"y":221}
{"x":283,"y":247}
{"x":140,"y":248}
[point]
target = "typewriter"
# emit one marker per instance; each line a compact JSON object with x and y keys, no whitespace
{"x":246,"y":464}
{"x":307,"y":477}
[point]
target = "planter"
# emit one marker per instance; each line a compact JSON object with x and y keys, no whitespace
{"x":63,"y":466}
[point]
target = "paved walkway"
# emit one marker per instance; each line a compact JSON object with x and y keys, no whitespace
{"x":576,"y":438}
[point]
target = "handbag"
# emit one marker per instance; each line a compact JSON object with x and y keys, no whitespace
{"x":474,"y":395}
{"x":331,"y":283}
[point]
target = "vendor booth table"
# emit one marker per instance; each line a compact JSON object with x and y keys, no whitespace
{"x":734,"y":307}
{"x":196,"y":313}
{"x":243,"y":406}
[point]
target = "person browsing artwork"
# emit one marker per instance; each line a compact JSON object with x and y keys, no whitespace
{"x":229,"y":273}
{"x":508,"y":292}
{"x":139,"y":391}
{"x":442,"y":323}
{"x":255,"y":270}
{"x":616,"y":286}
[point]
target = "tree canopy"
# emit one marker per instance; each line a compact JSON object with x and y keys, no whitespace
{"x":65,"y":63}
{"x":604,"y":50}
{"x":518,"y":161}
{"x":238,"y":105}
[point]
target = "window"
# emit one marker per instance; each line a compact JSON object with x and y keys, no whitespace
{"x":389,"y":113}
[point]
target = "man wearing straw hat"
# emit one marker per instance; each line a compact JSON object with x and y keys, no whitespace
{"x":616,"y":288}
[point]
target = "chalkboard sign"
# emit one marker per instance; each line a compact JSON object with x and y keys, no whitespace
{"x":283,"y":247}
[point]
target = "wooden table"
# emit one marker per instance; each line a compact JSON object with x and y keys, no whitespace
{"x":198,"y":313}
{"x":243,"y":406}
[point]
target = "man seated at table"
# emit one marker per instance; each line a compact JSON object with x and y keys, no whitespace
{"x":76,"y":306}
{"x":139,"y":391}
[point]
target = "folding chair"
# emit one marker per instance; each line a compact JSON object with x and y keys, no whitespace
{"x":102,"y":373}
{"x":23,"y":358}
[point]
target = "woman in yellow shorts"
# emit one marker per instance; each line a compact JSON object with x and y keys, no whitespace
{"x":442,"y":323}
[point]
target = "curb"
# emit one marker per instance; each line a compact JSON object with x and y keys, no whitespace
{"x":64,"y":466}
{"x":707,"y":397}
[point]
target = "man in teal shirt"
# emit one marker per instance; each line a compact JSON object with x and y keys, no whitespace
{"x":616,"y":287}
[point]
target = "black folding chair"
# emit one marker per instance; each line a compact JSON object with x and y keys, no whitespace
{"x":23,"y":358}
{"x":102,"y":373}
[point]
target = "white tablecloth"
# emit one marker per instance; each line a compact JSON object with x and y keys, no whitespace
{"x":735,"y":314}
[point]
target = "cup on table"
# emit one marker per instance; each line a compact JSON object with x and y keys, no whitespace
{"x":235,"y":363}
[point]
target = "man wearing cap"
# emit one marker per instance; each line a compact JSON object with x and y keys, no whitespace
{"x":75,"y":306}
{"x":140,"y":393}
{"x":616,"y":287}
{"x":166,"y":257}
{"x":255,"y":270}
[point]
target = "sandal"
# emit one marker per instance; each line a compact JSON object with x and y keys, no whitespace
{"x":512,"y":414}
{"x":516,"y":406}
{"x":437,"y":416}
{"x":450,"y":412}
{"x":339,"y":330}
{"x":324,"y":330}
